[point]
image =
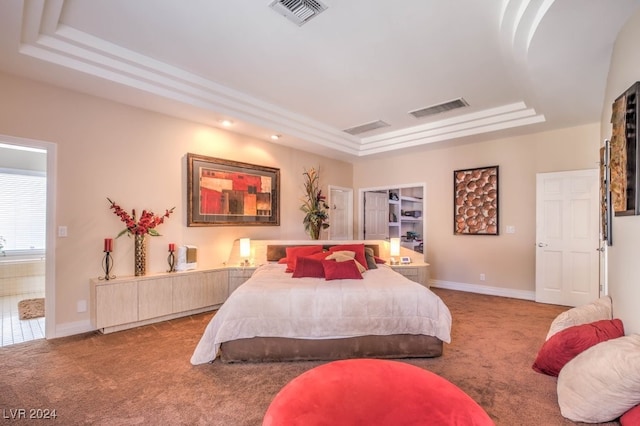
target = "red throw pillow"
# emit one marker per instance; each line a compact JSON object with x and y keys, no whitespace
{"x":631,"y":417}
{"x":294,"y":252}
{"x":310,"y":266}
{"x":379,"y":260}
{"x":357,"y":248}
{"x":341,"y":270}
{"x":566,"y":344}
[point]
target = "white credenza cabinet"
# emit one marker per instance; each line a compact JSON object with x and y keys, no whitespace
{"x":128,"y":302}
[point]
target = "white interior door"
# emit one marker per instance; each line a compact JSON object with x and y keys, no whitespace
{"x":567,"y":237}
{"x":376,"y":215}
{"x":341,"y":213}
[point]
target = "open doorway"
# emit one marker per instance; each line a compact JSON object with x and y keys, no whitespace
{"x":26,"y":252}
{"x":396,"y":211}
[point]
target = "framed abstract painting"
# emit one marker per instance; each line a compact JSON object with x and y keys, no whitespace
{"x":230,"y":193}
{"x":475,"y":201}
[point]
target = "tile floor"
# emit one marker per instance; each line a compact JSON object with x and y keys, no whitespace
{"x":14,"y":330}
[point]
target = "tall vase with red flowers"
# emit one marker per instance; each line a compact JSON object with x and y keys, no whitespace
{"x":146,"y":225}
{"x":314,"y":204}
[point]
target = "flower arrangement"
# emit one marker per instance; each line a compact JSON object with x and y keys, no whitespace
{"x":314,"y":204}
{"x":145,"y":226}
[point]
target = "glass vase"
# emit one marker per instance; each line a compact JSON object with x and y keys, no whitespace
{"x":314,"y":230}
{"x":140,"y":255}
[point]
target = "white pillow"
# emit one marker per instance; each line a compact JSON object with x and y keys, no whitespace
{"x":585,"y":314}
{"x":343,"y":256}
{"x":601,"y":383}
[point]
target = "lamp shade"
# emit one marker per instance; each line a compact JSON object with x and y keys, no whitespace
{"x":245,"y":247}
{"x":394,"y":247}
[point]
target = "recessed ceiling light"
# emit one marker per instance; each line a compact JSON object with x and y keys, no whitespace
{"x":226,"y":123}
{"x":275,"y":137}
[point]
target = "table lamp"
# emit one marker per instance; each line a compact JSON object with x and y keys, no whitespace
{"x":245,"y":250}
{"x":394,"y":250}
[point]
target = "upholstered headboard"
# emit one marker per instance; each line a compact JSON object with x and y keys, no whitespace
{"x":276,"y":252}
{"x":277,"y":249}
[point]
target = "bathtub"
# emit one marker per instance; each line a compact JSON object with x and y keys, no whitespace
{"x":21,"y":274}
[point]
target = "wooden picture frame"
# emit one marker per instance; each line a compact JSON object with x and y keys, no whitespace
{"x":230,"y":193}
{"x":606,"y":208}
{"x":625,"y":153}
{"x":475,"y":201}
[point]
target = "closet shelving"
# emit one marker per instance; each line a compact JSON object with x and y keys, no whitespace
{"x":405,"y":216}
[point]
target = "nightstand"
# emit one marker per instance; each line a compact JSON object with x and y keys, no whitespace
{"x":417,"y":271}
{"x":238,"y":275}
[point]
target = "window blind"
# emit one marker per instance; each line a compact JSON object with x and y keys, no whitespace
{"x":23,"y":201}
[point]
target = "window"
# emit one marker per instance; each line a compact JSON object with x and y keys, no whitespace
{"x":23,"y":200}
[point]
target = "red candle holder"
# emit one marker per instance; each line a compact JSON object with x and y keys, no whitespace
{"x":171,"y":259}
{"x":107,"y":260}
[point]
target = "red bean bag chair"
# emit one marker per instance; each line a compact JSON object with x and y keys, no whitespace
{"x":372,"y":392}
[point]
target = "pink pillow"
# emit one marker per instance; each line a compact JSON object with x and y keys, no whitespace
{"x":341,"y":270}
{"x":357,"y":248}
{"x":294,"y":252}
{"x":566,"y":344}
{"x":310,"y":266}
{"x":631,"y":417}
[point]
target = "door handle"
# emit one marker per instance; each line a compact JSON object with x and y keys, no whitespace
{"x":542,"y":245}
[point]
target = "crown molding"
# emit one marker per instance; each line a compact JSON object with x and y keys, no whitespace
{"x":45,"y":38}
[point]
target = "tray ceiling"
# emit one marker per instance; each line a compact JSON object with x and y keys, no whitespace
{"x":521,"y":66}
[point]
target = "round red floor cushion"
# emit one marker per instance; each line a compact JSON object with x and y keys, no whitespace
{"x":372,"y":392}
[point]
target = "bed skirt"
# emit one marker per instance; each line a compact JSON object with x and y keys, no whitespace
{"x":269,"y":349}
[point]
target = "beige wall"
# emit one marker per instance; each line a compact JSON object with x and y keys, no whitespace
{"x":623,"y":265}
{"x":137,"y":158}
{"x":507,"y":260}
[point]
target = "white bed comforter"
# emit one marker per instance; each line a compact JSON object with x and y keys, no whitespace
{"x":273,"y":304}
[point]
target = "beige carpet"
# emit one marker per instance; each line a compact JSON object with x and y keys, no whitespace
{"x":31,"y":308}
{"x":143,"y":376}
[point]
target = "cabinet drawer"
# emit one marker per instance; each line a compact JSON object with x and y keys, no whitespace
{"x":408,"y":272}
{"x":241,"y":273}
{"x":116,"y":304}
{"x":418,"y":272}
{"x":155,"y":298}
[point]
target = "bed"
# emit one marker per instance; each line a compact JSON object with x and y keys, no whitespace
{"x":276,"y":316}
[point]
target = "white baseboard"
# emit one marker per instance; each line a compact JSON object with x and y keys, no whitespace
{"x":484,"y":289}
{"x":71,"y":328}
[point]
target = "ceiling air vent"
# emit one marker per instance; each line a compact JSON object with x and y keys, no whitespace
{"x":439,"y":108}
{"x":298,"y":11}
{"x":366,"y":127}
